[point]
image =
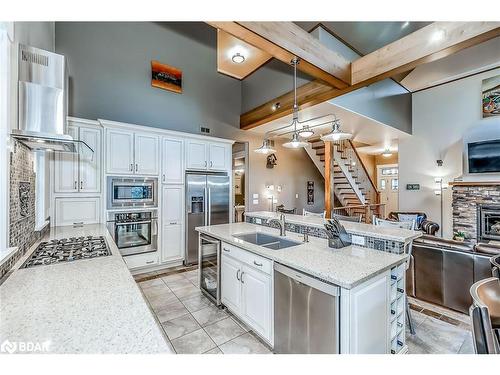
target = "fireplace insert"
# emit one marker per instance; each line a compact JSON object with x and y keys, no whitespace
{"x":488,"y":222}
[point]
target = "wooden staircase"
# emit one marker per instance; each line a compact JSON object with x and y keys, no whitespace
{"x":352,"y":185}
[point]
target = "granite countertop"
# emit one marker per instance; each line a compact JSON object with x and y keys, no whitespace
{"x":346,"y":267}
{"x":362,"y":229}
{"x":85,"y":306}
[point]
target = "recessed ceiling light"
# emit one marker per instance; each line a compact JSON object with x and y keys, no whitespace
{"x":387,"y":152}
{"x":437,"y":35}
{"x":276,"y":106}
{"x":238,"y":58}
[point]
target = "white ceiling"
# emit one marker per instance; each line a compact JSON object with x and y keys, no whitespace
{"x":364,"y":129}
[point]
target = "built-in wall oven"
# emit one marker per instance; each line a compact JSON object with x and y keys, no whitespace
{"x":134,"y":232}
{"x":131,"y":192}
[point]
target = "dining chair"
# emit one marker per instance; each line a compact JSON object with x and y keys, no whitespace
{"x":485,"y":315}
{"x":355,"y":219}
{"x":403,"y":225}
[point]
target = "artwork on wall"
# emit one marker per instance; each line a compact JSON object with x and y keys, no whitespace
{"x":166,"y":77}
{"x":24,"y":198}
{"x":491,"y":96}
{"x":271,"y":161}
{"x":310,"y":192}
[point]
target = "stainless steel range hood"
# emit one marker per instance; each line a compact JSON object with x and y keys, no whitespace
{"x":42,"y":102}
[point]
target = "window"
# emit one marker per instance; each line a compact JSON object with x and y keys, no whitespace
{"x":389,"y":171}
{"x":394,"y":184}
{"x":382,"y":184}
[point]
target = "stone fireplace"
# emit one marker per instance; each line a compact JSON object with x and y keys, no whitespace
{"x":476,"y":210}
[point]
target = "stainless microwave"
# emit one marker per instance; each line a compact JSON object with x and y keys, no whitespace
{"x":132,"y":192}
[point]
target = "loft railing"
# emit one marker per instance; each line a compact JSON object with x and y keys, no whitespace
{"x":366,"y":211}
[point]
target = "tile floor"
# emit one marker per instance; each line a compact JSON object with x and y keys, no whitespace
{"x":191,"y":322}
{"x":194,"y":325}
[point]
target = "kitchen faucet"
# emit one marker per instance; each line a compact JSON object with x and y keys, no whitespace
{"x":281,"y":223}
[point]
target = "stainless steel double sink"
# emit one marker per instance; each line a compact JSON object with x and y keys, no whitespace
{"x":266,"y":240}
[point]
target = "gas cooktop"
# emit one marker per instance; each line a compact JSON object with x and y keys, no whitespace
{"x":67,"y":250}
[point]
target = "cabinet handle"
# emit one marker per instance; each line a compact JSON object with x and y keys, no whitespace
{"x":173,"y":223}
{"x":150,"y":261}
{"x":211,"y":163}
{"x":237,"y":274}
{"x":78,"y":224}
{"x":163,"y":178}
{"x":257,"y":264}
{"x":205,"y":163}
{"x":81,"y":185}
{"x":241,"y":278}
{"x":76,"y":185}
{"x":131,"y":167}
{"x":136,"y":167}
{"x":227,"y":250}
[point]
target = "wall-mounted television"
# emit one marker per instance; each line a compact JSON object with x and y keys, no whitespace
{"x":484,"y":157}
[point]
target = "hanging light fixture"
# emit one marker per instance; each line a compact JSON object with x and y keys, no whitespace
{"x":387,"y":153}
{"x":336,"y":134}
{"x":295,"y":142}
{"x":305,"y":132}
{"x":265,"y":148}
{"x":238,"y":58}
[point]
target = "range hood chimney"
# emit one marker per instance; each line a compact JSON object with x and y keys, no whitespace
{"x":42,"y":102}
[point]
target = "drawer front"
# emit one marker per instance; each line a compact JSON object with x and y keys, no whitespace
{"x":253,"y":260}
{"x":141,"y":260}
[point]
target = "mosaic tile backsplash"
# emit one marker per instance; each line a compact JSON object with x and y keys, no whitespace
{"x":370,"y":242}
{"x":22,"y":232}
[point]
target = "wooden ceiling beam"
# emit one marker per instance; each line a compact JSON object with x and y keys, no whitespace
{"x":285,"y":40}
{"x":316,"y":92}
{"x":430,"y":43}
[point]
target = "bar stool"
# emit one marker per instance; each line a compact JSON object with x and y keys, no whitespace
{"x":485,"y":315}
{"x":495,"y":266}
{"x":403,"y":225}
{"x":354,"y":219}
{"x":313,"y":214}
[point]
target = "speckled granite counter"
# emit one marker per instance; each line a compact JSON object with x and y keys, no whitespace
{"x":346,"y":267}
{"x":85,"y":306}
{"x":362,"y":229}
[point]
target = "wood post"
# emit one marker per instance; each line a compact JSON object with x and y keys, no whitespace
{"x":329,"y":192}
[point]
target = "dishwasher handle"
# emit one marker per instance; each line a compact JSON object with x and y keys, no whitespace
{"x":308,"y":280}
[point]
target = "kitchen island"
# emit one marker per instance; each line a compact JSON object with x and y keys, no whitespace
{"x":82,"y":306}
{"x":371,"y":283}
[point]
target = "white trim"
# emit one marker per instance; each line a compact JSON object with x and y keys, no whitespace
{"x":83,"y":121}
{"x":150,"y":129}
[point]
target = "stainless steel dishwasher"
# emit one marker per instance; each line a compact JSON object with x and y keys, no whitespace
{"x":306,"y":313}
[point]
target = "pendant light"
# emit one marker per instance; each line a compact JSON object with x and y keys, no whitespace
{"x":387,"y":153}
{"x":265,"y":148}
{"x":305,"y":132}
{"x":295,"y":142}
{"x":336,"y":134}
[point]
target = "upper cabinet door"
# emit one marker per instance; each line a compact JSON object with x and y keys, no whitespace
{"x":90,"y":174}
{"x":66,"y":168}
{"x":146,"y":154}
{"x":173,"y":161}
{"x":196,"y":154}
{"x":217,"y":157}
{"x":119,"y":152}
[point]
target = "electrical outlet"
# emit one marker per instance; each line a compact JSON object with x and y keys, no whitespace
{"x":255,"y":196}
{"x":255,"y":201}
{"x":358,"y":240}
{"x":297,"y":196}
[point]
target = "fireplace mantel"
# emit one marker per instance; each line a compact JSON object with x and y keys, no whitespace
{"x":474,"y":183}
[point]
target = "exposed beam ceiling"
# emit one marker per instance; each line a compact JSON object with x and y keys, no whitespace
{"x":420,"y":47}
{"x":285,"y":40}
{"x":430,"y":43}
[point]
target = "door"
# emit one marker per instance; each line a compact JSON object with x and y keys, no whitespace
{"x":119,"y":152}
{"x":218,"y":199}
{"x":66,"y":168}
{"x":77,"y":211}
{"x":173,"y":161}
{"x":90,"y":175}
{"x":388,"y":186}
{"x":172,"y":204}
{"x":172,"y":241}
{"x":230,"y":283}
{"x":195,"y":213}
{"x":146,"y":154}
{"x":217,"y":157}
{"x":196,"y":155}
{"x":256,"y":300}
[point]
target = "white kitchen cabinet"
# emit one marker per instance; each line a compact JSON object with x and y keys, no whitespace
{"x":256,"y":295}
{"x":66,"y":168}
{"x":196,"y":154}
{"x":172,"y":218}
{"x":246,"y":289}
{"x":119,"y":152}
{"x":79,"y":172}
{"x":172,"y":161}
{"x":141,"y":260}
{"x":146,"y":155}
{"x":218,"y":156}
{"x":77,"y":211}
{"x":230,"y":283}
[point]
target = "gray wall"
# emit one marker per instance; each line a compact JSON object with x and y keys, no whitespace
{"x":110,"y":74}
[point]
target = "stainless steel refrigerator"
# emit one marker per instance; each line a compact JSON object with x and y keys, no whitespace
{"x":207,"y":203}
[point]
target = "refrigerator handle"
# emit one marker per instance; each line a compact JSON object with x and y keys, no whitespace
{"x":205,"y":194}
{"x":209,"y":204}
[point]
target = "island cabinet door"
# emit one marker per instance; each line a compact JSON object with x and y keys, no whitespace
{"x":230,"y":283}
{"x":256,"y":293}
